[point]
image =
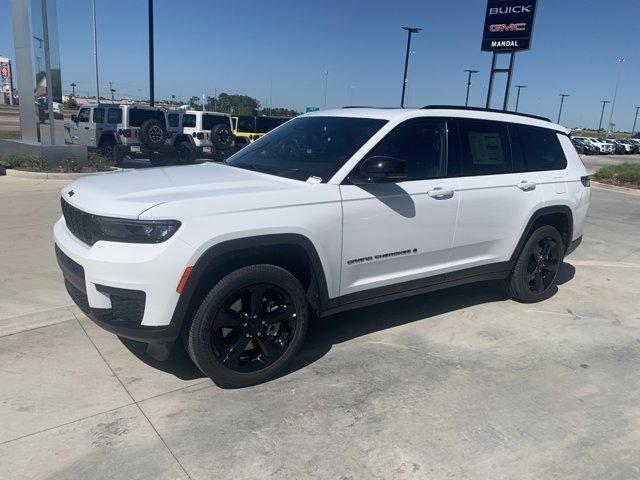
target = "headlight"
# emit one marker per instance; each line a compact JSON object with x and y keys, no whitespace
{"x":135,"y":231}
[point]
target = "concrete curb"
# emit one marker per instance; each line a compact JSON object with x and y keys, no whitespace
{"x":53,"y":175}
{"x":604,"y":186}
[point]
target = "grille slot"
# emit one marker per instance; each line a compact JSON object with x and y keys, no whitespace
{"x":80,"y":223}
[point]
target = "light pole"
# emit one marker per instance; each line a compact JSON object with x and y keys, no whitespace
{"x":326,"y":87}
{"x":95,"y":51}
{"x":604,"y":104}
{"x":410,"y":31}
{"x":73,"y":89}
{"x":621,"y":60}
{"x":562,"y":95}
{"x":519,"y":87}
{"x":635,"y":119}
{"x":470,"y":72}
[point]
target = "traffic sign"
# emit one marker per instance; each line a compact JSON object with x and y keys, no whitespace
{"x":312,"y":109}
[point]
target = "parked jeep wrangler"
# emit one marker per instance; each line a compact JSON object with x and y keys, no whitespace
{"x":196,"y":134}
{"x":137,"y":131}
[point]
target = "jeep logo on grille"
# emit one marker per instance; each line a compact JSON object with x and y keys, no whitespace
{"x":71,"y":193}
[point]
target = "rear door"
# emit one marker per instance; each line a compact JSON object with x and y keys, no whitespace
{"x":82,"y":130}
{"x":397,"y":236}
{"x":97,"y":125}
{"x":497,"y":197}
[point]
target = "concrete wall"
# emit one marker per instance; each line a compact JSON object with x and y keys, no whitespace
{"x":56,"y":156}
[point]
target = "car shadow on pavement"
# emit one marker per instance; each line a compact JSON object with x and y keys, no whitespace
{"x":325,"y":332}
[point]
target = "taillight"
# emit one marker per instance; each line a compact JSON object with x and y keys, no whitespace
{"x":168,"y":135}
{"x":200,"y":136}
{"x":586,"y":181}
{"x":125,"y":133}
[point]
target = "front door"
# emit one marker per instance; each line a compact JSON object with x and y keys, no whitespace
{"x":397,"y":236}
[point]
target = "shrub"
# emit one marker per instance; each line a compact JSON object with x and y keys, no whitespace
{"x":98,"y":163}
{"x":625,"y":174}
{"x":25,"y":162}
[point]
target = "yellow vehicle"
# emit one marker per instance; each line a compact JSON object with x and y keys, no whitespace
{"x":249,"y":128}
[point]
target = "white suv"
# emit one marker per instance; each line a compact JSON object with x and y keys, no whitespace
{"x":332,"y":210}
{"x":196,"y":134}
{"x":121,"y":130}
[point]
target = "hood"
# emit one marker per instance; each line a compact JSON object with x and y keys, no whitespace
{"x":129,"y":194}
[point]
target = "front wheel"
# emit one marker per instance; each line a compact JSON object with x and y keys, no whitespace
{"x":249,"y":327}
{"x":535,"y":273}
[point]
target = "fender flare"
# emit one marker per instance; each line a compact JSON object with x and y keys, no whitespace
{"x":553,"y":209}
{"x":105,"y":135}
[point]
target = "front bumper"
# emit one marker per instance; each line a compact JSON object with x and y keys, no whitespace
{"x":127,"y":289}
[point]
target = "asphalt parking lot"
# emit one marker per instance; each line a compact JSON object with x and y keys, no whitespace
{"x":461,"y":383}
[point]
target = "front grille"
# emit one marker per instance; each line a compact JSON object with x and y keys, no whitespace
{"x":80,"y":223}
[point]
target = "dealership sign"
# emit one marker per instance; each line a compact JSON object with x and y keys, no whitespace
{"x":508,"y":25}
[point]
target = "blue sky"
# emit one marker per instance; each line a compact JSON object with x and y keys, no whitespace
{"x":285,"y":46}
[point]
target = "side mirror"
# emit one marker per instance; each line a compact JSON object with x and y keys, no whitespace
{"x":380,"y":169}
{"x":74,"y":118}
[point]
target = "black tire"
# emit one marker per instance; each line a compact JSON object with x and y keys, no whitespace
{"x":263,"y":332}
{"x":221,"y":137}
{"x":153,"y":133}
{"x":108,"y":151}
{"x":185,"y":153}
{"x":158,"y":161}
{"x":535,"y":273}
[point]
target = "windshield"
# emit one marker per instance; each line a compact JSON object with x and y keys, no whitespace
{"x":307,"y":147}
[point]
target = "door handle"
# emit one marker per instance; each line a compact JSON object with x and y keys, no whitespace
{"x":439,"y":194}
{"x":526,"y":186}
{"x":86,"y":128}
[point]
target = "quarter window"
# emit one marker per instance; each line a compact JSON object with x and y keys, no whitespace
{"x":114,"y":115}
{"x":485,"y":148}
{"x":98,"y":115}
{"x":189,"y":121}
{"x":542,"y":149}
{"x":173,"y":120}
{"x":83,"y":115}
{"x":421,"y":143}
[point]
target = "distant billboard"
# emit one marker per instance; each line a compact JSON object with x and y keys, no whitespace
{"x":508,"y":25}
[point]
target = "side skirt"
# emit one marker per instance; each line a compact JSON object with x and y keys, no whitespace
{"x":496,"y":271}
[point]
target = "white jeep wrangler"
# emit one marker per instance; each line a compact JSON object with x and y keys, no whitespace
{"x":137,"y":131}
{"x":196,"y":134}
{"x":332,"y":210}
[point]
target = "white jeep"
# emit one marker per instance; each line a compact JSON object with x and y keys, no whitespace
{"x":136,"y":131}
{"x":331,"y":211}
{"x":197,"y":134}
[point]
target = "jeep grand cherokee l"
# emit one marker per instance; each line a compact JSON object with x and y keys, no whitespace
{"x":331,"y":211}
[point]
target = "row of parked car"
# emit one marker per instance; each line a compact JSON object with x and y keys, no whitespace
{"x":140,"y":131}
{"x":606,"y":146}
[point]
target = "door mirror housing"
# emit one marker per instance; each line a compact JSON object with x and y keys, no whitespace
{"x":381,"y":169}
{"x":74,"y":118}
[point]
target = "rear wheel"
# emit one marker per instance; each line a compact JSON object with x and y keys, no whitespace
{"x":534,"y":275}
{"x":108,"y":151}
{"x":221,"y":137}
{"x":249,"y":327}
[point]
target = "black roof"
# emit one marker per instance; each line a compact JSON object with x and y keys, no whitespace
{"x":480,"y":109}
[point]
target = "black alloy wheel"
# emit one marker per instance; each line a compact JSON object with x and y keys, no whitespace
{"x":253,"y":328}
{"x":543,"y":265}
{"x":537,"y":267}
{"x":249,"y":327}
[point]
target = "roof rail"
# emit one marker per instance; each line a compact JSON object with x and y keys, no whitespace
{"x":480,"y":109}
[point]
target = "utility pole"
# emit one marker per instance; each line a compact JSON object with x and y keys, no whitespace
{"x":604,"y":103}
{"x":635,"y":119}
{"x":470,"y":72}
{"x":326,"y":87}
{"x":519,"y":87}
{"x":95,"y":52}
{"x":621,"y":60}
{"x":410,"y":31}
{"x":112,"y":90}
{"x":562,"y":95}
{"x":73,"y":89}
{"x":151,"y":79}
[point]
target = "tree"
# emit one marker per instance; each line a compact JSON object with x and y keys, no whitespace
{"x":70,"y":103}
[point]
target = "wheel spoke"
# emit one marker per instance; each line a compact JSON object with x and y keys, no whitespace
{"x":270,"y":352}
{"x":256,"y":295}
{"x":229,"y":319}
{"x":232,"y":355}
{"x":283,"y":313}
{"x":538,"y":282}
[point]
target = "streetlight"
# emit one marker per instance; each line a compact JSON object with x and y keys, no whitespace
{"x":326,"y":87}
{"x":604,"y":103}
{"x":635,"y":119}
{"x":95,"y":51}
{"x":470,"y":72}
{"x":621,"y":60}
{"x":562,"y":95}
{"x":410,"y":31}
{"x":73,"y":88}
{"x":519,"y":87}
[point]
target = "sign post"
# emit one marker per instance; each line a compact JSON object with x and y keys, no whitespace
{"x":508,"y":27}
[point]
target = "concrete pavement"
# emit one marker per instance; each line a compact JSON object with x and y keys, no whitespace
{"x":461,"y":383}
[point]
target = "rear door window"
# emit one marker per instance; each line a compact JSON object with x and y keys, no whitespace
{"x":114,"y":115}
{"x":137,"y":116}
{"x":98,"y":115}
{"x":485,"y":148}
{"x":209,"y":121}
{"x":189,"y":121}
{"x":542,"y":149}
